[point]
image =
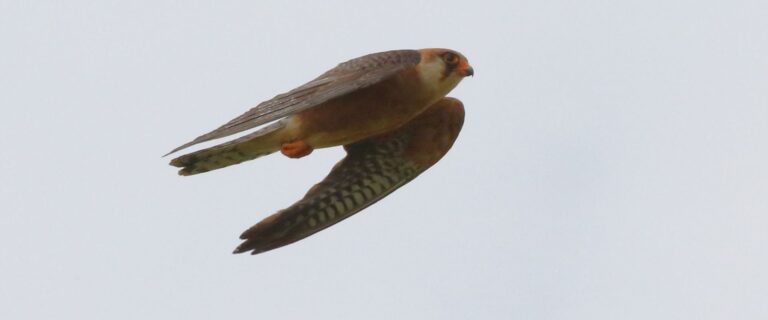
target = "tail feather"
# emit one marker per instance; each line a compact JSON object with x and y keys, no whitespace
{"x":249,"y":147}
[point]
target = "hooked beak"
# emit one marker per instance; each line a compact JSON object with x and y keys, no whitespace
{"x":469,"y":72}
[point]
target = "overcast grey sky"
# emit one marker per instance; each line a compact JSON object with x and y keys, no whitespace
{"x":612,"y":164}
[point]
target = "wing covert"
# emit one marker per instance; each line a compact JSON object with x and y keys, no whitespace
{"x":372,"y":169}
{"x":346,"y":77}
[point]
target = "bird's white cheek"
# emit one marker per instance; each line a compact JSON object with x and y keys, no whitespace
{"x":434,"y":81}
{"x":451,"y":82}
{"x":431,"y":74}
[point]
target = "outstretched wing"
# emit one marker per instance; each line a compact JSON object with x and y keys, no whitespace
{"x":372,"y":169}
{"x":344,"y":78}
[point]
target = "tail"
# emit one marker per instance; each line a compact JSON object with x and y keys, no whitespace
{"x":249,"y":147}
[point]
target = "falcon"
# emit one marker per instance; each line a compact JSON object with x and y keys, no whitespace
{"x":387,"y":109}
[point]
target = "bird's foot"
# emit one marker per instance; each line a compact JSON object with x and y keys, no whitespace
{"x":296,"y":149}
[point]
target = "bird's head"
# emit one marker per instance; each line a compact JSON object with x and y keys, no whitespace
{"x":443,"y":68}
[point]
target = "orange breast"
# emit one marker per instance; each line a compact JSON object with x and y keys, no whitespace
{"x":364,"y":113}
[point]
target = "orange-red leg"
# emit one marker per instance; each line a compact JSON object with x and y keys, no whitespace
{"x":296,"y":149}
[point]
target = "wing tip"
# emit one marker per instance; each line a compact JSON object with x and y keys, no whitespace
{"x":183,"y":146}
{"x":240,"y":249}
{"x":253,"y":246}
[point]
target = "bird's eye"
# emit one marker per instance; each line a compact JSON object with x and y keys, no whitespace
{"x":451,"y":58}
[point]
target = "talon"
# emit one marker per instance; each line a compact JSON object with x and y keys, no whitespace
{"x":296,"y":149}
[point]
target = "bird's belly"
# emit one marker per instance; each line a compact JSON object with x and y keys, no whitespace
{"x":358,"y":116}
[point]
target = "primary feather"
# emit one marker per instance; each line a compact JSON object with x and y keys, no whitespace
{"x":344,"y":78}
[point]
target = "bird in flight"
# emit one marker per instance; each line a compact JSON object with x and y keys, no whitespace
{"x":387,"y":109}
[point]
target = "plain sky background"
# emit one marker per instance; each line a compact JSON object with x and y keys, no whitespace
{"x":613,"y":163}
